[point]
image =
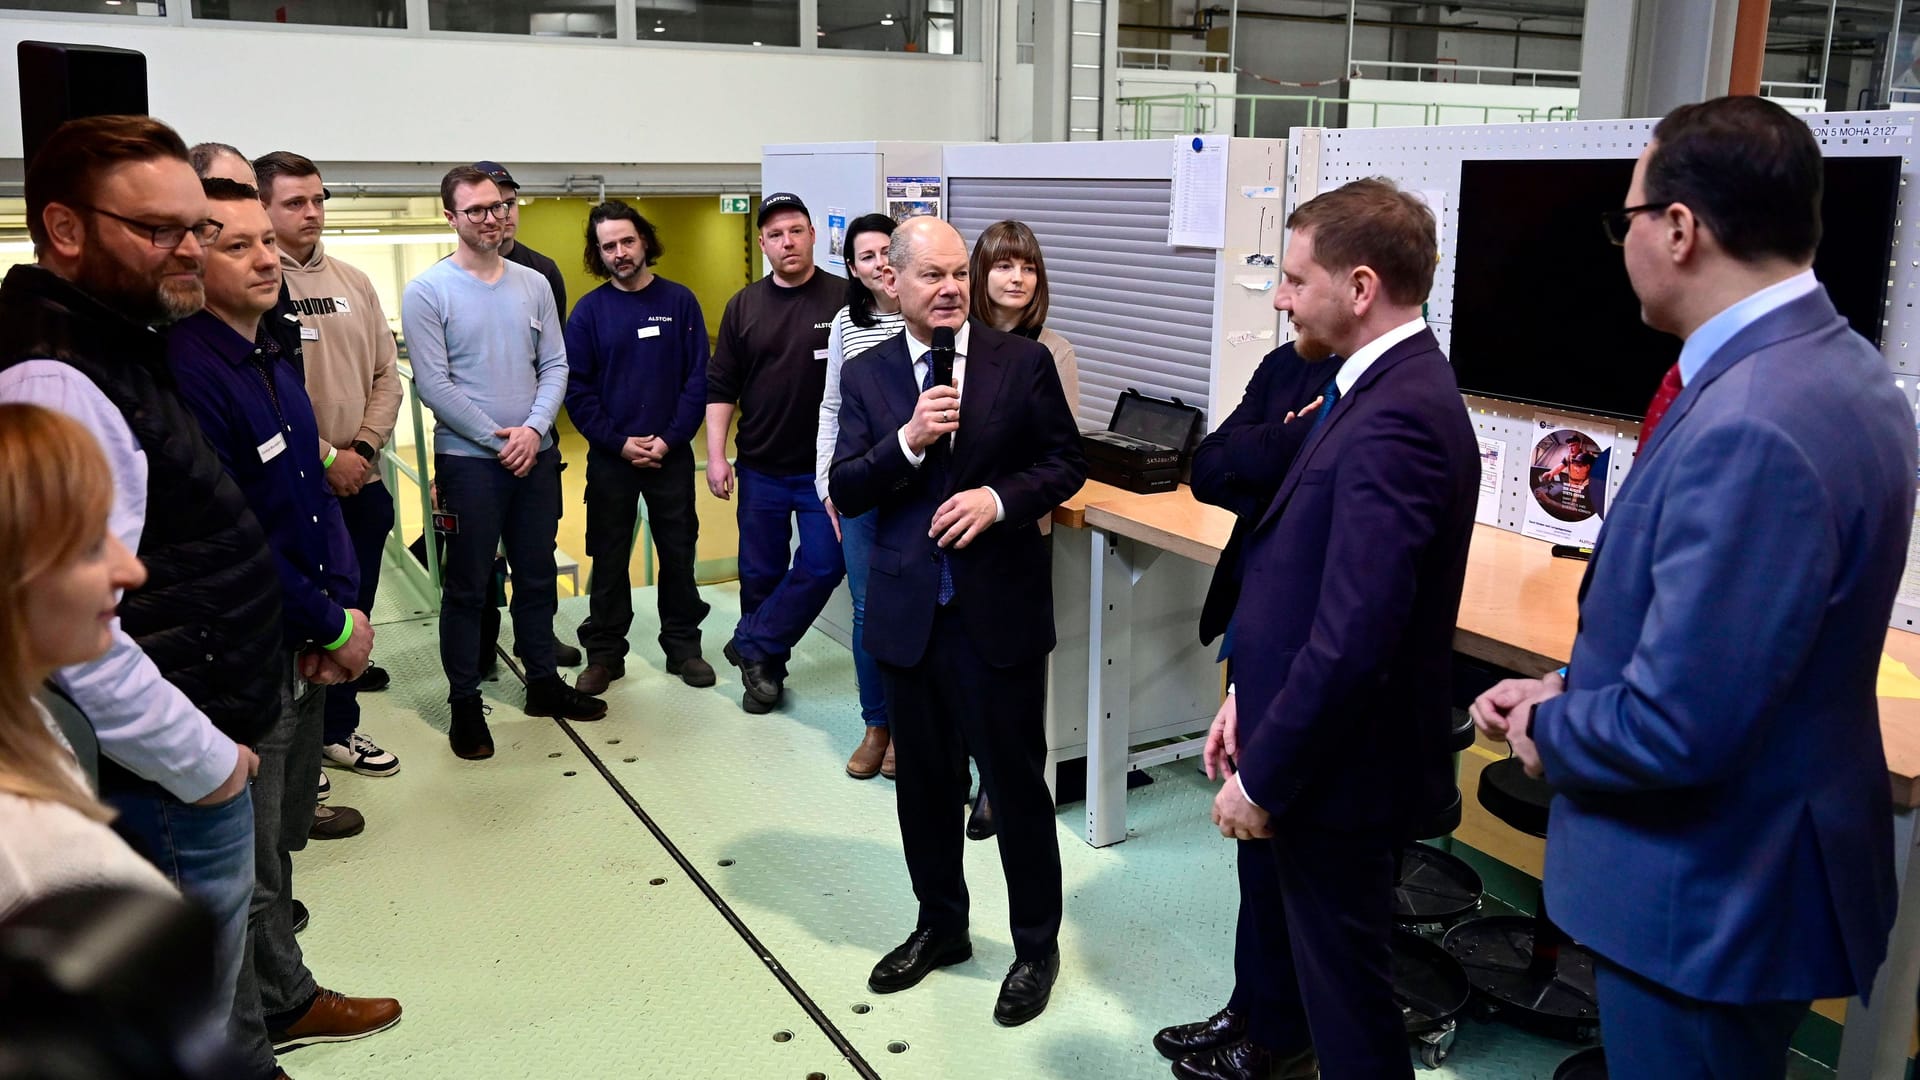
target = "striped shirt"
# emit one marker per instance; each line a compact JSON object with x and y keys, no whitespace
{"x":848,"y":340}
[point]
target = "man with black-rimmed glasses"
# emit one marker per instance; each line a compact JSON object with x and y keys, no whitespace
{"x":490,"y":360}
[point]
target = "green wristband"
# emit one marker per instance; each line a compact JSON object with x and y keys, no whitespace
{"x":327,"y":463}
{"x":344,"y":635}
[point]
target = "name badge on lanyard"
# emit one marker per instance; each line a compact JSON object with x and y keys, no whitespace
{"x":272,"y":448}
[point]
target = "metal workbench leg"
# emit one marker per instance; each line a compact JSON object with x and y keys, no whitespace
{"x":1873,"y":1043}
{"x":1109,"y":692}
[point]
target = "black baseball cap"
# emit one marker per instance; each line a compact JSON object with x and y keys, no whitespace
{"x":776,"y":203}
{"x":498,"y":172}
{"x":1580,"y":455}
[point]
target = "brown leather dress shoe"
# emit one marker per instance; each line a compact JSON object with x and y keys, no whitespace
{"x":595,"y":679}
{"x":886,"y":763}
{"x":337,"y":1018}
{"x":870,"y":754}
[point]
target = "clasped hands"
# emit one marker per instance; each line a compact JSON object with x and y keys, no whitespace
{"x":1505,"y":713}
{"x":644,"y":451}
{"x":345,"y":664}
{"x":1236,"y":815}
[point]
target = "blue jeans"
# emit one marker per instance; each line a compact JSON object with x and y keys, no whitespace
{"x":369,"y":517}
{"x":497,"y":509}
{"x":856,"y":542}
{"x":207,"y":851}
{"x":779,"y":602}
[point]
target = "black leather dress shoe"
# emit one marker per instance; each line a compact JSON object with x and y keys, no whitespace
{"x":1219,"y":1029}
{"x":373,"y":680}
{"x":1244,"y":1060}
{"x":1025,"y":990}
{"x":980,"y":823}
{"x":916,"y":957}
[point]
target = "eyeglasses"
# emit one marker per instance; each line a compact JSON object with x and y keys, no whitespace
{"x":167,"y":236}
{"x":500,"y":210}
{"x":1617,"y":222}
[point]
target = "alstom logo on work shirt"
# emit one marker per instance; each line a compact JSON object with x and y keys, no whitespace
{"x":659,"y":318}
{"x":323,"y":305}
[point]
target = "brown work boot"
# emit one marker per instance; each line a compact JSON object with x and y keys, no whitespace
{"x":886,"y":763}
{"x":866,"y":759}
{"x":337,"y":1018}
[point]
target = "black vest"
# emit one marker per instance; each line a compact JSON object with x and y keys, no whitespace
{"x":209,"y":613}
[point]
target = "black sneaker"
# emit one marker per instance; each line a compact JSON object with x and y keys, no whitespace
{"x":469,"y":735}
{"x":373,"y":680}
{"x":300,"y":916}
{"x":552,"y":697}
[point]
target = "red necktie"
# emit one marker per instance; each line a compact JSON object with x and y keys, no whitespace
{"x":1657,"y":408}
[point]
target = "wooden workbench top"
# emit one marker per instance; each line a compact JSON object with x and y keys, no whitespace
{"x":1518,"y":610}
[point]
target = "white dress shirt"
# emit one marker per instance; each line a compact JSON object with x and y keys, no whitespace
{"x":918,"y":351}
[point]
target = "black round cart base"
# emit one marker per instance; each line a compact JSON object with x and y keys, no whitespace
{"x":1434,"y":888}
{"x":1497,"y":953}
{"x":1588,"y":1064}
{"x":1432,"y":990}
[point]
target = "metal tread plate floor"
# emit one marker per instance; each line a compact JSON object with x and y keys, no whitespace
{"x":509,"y":905}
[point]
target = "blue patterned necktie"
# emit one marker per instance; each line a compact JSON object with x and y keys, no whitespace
{"x":939,"y":553}
{"x":1332,"y":397}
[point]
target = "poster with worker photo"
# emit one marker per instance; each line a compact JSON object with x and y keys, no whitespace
{"x":913,"y":196}
{"x":1567,"y":479}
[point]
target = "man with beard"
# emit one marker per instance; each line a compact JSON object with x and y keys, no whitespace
{"x":1333,"y":740}
{"x":637,"y":386}
{"x":120,"y":227}
{"x":248,"y":397}
{"x":488,"y":358}
{"x":511,"y":249}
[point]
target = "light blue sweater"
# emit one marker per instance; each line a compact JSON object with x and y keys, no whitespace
{"x":484,"y":356}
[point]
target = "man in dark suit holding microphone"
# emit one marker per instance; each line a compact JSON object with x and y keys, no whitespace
{"x":1334,"y":739}
{"x":960,"y":604}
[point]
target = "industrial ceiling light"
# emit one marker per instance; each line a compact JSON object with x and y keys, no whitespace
{"x":887,"y":19}
{"x":658,"y":27}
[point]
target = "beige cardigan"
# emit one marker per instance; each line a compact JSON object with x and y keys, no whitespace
{"x":1068,"y":368}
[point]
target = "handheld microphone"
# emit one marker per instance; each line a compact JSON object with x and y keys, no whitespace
{"x":941,"y":356}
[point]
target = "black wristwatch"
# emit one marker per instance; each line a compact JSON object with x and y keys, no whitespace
{"x":365,"y":449}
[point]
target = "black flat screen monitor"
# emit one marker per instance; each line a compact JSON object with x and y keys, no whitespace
{"x":1542,"y":309}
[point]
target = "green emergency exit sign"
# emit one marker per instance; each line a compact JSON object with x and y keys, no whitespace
{"x":735,"y":204}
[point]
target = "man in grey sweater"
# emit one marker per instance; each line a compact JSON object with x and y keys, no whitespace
{"x":490,"y":360}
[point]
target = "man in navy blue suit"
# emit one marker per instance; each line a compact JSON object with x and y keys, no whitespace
{"x":1334,"y":736}
{"x":960,"y":602}
{"x":1722,"y":834}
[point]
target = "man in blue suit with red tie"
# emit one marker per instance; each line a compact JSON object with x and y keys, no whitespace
{"x":960,"y":439}
{"x":1334,"y":737}
{"x":1722,"y":834}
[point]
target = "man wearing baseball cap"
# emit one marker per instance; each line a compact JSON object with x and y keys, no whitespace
{"x":771,"y":365}
{"x":511,"y":249}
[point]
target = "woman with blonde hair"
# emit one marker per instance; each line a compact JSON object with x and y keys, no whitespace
{"x":61,"y":574}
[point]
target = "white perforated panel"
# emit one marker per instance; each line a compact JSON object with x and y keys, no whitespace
{"x":1428,"y":159}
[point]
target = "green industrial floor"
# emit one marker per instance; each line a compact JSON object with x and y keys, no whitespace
{"x":533,"y":924}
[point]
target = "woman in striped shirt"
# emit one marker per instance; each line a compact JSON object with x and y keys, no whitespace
{"x":869,"y":318}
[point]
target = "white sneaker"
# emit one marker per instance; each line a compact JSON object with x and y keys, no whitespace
{"x":326,"y":787}
{"x":362,"y":755}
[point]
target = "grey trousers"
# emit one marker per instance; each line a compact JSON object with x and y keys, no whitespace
{"x":273,"y":977}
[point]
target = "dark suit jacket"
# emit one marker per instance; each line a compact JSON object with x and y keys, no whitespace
{"x":1344,"y":636}
{"x":1724,"y":825}
{"x":1240,"y":465}
{"x":1017,"y":436}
